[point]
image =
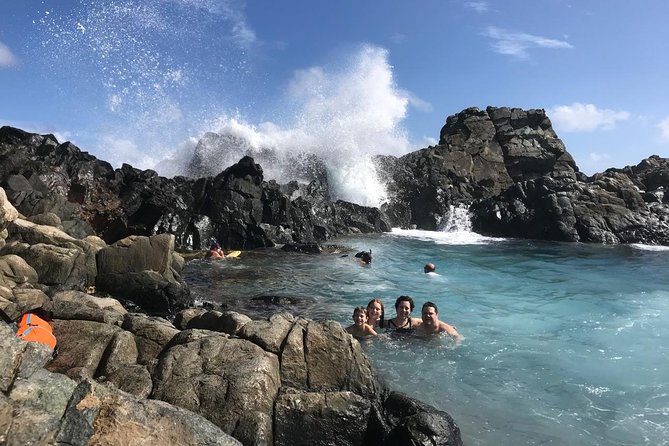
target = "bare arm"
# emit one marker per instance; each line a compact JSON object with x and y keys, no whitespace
{"x":370,"y":330}
{"x":450,"y":330}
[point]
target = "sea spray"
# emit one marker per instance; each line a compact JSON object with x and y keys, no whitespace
{"x":158,"y":93}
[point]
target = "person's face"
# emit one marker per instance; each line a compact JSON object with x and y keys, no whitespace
{"x":404,"y":309}
{"x":374,"y":310}
{"x":359,"y":318}
{"x":429,"y":316}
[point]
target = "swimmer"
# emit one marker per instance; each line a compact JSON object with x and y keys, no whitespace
{"x":432,"y":325}
{"x":215,"y":250}
{"x":365,"y":257}
{"x":429,"y":268}
{"x":376,"y":314}
{"x":403,"y":321}
{"x":360,"y":328}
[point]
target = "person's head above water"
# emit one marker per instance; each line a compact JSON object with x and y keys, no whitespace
{"x":399,"y":300}
{"x":365,"y":256}
{"x":214,"y":244}
{"x":376,"y":311}
{"x":429,"y":268}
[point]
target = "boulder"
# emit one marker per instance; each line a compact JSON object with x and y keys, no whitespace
{"x":152,"y":334}
{"x":81,"y":345}
{"x":321,"y":418}
{"x":143,"y":270}
{"x":98,"y":414}
{"x":232,"y":382}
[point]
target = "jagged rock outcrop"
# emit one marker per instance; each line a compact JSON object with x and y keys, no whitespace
{"x":480,"y":154}
{"x":509,"y":167}
{"x":236,"y":206}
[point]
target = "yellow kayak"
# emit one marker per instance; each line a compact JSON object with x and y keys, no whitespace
{"x":232,"y":253}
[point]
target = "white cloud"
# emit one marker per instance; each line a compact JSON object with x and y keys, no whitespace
{"x":429,"y":141}
{"x":7,"y":58}
{"x":579,"y":117}
{"x":517,"y":44}
{"x":664,"y":127}
{"x":480,"y":7}
{"x":597,"y":157}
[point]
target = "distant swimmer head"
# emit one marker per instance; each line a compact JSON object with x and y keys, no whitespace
{"x":429,"y":268}
{"x":365,"y":256}
{"x":214,"y":244}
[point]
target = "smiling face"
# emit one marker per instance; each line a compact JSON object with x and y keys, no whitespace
{"x":359,"y":317}
{"x":429,"y":316}
{"x":403,"y":309}
{"x":375,"y":310}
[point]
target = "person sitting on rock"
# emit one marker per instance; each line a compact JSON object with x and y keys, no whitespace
{"x":360,"y":328}
{"x":432,"y":325}
{"x":429,"y":268}
{"x":215,"y":250}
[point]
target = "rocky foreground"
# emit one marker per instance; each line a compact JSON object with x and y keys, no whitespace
{"x":208,"y":377}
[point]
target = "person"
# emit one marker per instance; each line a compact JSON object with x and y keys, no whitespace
{"x":365,"y":257}
{"x":215,"y":250}
{"x":432,"y":325}
{"x":376,"y":314}
{"x":429,"y":268}
{"x":360,"y":328}
{"x":403,"y":321}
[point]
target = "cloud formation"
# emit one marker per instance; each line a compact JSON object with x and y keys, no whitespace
{"x":517,"y":44}
{"x":579,"y":117}
{"x":664,"y":127}
{"x":7,"y":58}
{"x":480,"y":7}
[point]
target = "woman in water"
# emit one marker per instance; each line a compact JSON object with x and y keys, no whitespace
{"x":376,"y":314}
{"x":403,"y":321}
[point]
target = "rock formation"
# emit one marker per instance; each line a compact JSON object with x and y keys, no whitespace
{"x":214,"y":378}
{"x":86,"y":196}
{"x":513,"y":172}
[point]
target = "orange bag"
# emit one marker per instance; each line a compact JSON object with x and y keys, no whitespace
{"x":33,"y":328}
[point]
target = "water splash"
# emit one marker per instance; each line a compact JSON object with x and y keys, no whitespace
{"x":157,"y":89}
{"x":457,"y":219}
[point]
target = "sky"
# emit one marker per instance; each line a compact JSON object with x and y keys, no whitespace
{"x":140,"y":81}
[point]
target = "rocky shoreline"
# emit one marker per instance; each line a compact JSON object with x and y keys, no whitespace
{"x":207,"y":378}
{"x":79,"y":238}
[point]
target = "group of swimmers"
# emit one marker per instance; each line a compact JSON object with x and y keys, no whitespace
{"x":367,"y":321}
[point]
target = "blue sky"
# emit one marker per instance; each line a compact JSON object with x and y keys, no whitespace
{"x":139,"y":81}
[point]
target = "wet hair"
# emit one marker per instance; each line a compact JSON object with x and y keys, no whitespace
{"x":365,"y":256}
{"x":357,"y":310}
{"x":405,"y":299}
{"x":430,"y":304}
{"x":214,"y":244}
{"x":383,"y":310}
{"x":429,"y":268}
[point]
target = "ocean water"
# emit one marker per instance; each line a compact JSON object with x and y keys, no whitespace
{"x":565,"y":344}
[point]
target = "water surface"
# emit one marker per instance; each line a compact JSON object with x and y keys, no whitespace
{"x":566,"y":344}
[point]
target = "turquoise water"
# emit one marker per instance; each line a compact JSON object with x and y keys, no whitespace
{"x":565,"y":344}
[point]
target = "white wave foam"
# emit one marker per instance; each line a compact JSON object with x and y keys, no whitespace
{"x":649,"y":247}
{"x":446,"y":238}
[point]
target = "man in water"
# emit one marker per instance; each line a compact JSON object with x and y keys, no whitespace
{"x":431,"y":323}
{"x":429,"y":268}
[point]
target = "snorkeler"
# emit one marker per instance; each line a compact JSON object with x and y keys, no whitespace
{"x":432,"y":325}
{"x":360,"y":328}
{"x":365,"y":257}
